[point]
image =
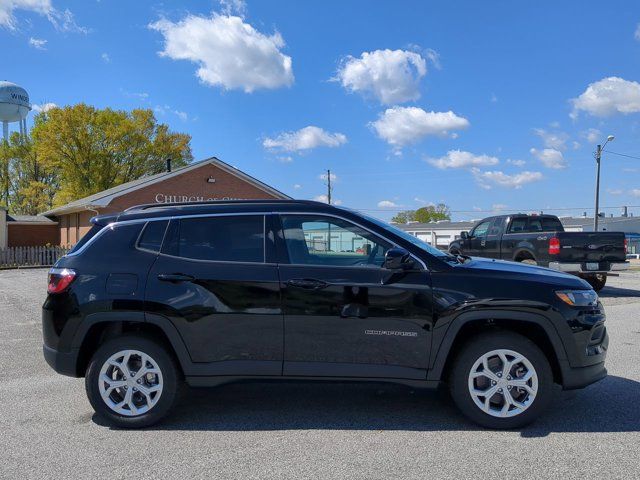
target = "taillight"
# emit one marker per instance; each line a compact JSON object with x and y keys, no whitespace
{"x":554,"y":246}
{"x":626,"y":246}
{"x":60,"y":279}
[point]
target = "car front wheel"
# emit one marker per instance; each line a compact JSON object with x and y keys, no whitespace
{"x":501,"y":380}
{"x":132,"y":381}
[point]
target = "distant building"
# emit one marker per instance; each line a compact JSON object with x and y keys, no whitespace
{"x":210,"y":179}
{"x":440,"y":234}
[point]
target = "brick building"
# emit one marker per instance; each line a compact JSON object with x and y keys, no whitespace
{"x":210,"y":179}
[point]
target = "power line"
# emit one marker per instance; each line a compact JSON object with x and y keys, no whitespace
{"x":622,"y":154}
{"x":391,"y":210}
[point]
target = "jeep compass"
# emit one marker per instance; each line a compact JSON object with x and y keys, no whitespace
{"x":215,"y":292}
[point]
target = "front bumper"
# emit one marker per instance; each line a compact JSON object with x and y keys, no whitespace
{"x":578,"y":267}
{"x":574,"y":378}
{"x":64,"y":363}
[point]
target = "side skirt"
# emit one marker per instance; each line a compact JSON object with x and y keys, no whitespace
{"x":215,"y":381}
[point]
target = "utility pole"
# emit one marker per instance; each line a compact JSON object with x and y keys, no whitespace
{"x":595,"y":217}
{"x":329,"y":202}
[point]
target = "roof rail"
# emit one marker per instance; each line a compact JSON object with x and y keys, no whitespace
{"x":146,"y":206}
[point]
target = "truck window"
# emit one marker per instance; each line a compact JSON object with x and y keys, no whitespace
{"x":481,"y":229}
{"x":551,"y":224}
{"x":497,"y":226}
{"x":518,"y":225}
{"x":535,"y":225}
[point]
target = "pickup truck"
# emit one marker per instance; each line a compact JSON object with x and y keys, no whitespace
{"x":541,"y":240}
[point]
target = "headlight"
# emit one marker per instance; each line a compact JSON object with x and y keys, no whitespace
{"x":578,"y":298}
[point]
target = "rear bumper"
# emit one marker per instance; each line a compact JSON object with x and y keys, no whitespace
{"x":577,"y":267}
{"x":573,"y":378}
{"x":62,"y":362}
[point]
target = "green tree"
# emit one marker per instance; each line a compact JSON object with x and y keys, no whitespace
{"x":430,"y":213}
{"x":95,"y":149}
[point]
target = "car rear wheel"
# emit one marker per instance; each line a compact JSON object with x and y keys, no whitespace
{"x":132,"y":381}
{"x":501,"y":380}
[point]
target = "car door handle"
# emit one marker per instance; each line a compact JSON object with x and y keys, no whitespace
{"x":307,"y":283}
{"x":175,"y":277}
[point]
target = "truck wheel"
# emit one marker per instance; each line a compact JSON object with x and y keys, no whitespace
{"x":132,"y":381}
{"x":597,"y":282}
{"x":501,"y":380}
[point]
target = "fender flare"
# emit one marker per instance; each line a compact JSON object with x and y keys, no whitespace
{"x":167,"y":327}
{"x":439,"y":359}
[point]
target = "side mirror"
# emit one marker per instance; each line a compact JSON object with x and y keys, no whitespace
{"x":398,"y":259}
{"x":464,"y":235}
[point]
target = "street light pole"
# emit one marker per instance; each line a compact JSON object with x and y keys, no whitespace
{"x":596,"y":216}
{"x":599,"y":151}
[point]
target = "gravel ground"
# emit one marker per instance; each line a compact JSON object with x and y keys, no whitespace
{"x":48,"y":429}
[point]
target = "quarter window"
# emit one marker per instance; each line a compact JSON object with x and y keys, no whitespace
{"x":317,"y":240}
{"x":152,"y":235}
{"x":223,"y":238}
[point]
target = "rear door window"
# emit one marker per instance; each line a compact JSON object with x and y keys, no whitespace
{"x":87,"y":236}
{"x":224,"y":238}
{"x":518,"y":225}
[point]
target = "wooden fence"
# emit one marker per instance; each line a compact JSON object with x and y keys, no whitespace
{"x":14,"y":257}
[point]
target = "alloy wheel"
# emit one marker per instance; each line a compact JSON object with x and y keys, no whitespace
{"x":503,"y":383}
{"x":130,"y":382}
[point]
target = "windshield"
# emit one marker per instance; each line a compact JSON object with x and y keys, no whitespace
{"x":407,"y":236}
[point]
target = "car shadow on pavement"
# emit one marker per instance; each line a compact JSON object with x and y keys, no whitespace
{"x":608,"y":406}
{"x":612,"y":292}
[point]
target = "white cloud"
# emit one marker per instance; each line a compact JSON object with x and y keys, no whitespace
{"x":229,"y":52}
{"x":164,"y":109}
{"x":493,"y":98}
{"x":325,"y":199}
{"x":234,"y":7}
{"x":139,"y":95}
{"x":38,"y":43}
{"x":608,"y":96}
{"x":105,"y":57}
{"x":400,"y":126}
{"x":44,"y":107}
{"x":462,"y":159}
{"x":550,"y":157}
{"x":297,"y":186}
{"x":423,"y":201}
{"x":555,"y":140}
{"x":593,"y":135}
{"x":498,"y":178}
{"x":614,"y":191}
{"x":635,"y":192}
{"x":387,"y":204}
{"x":498,"y":207}
{"x":391,"y":76}
{"x":304,"y":139}
{"x":517,"y":163}
{"x":636,"y":34}
{"x":285,"y":158}
{"x":62,"y":20}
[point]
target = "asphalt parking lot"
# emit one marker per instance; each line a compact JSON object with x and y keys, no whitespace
{"x":48,"y":429}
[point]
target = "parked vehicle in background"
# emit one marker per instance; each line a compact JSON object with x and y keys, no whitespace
{"x":541,"y":240}
{"x":210,"y":293}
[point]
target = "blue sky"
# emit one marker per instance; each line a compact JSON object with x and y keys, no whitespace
{"x":480,"y":105}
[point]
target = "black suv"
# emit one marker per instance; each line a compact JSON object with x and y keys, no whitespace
{"x":209,"y":293}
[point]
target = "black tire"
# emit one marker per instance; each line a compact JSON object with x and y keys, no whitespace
{"x":482,"y":344}
{"x":597,"y":282}
{"x":172,"y":382}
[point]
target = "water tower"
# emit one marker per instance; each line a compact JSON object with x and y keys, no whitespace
{"x":14,"y":107}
